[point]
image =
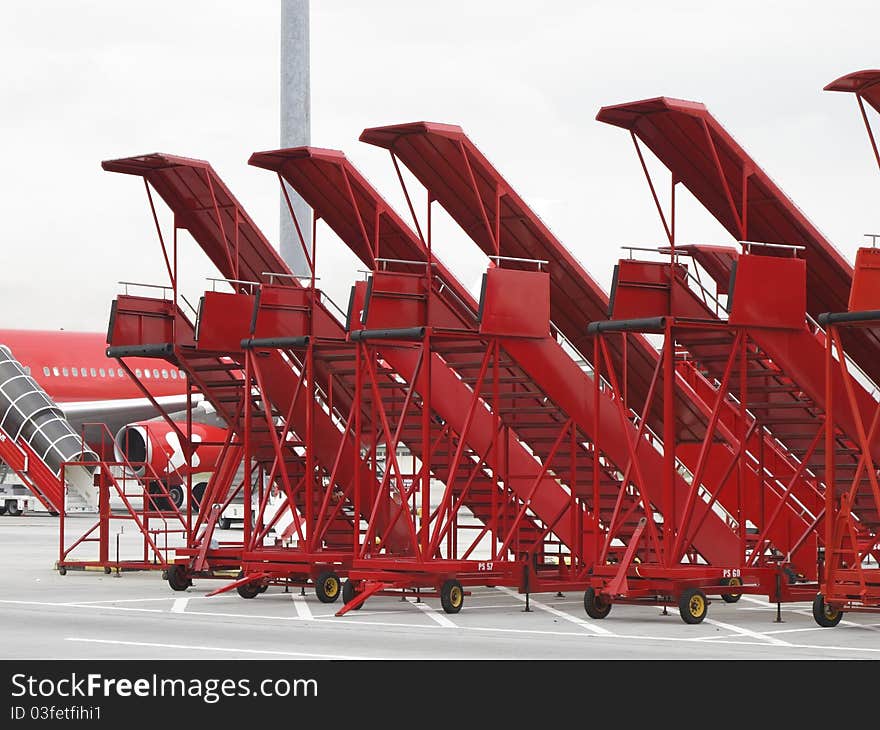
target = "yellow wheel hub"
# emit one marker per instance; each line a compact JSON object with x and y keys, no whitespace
{"x":831,"y":613}
{"x":331,"y":586}
{"x":696,"y":605}
{"x":455,"y":596}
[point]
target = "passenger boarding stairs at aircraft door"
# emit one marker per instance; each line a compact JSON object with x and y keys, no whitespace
{"x":36,"y":441}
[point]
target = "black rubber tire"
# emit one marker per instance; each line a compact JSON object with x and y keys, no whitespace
{"x":107,"y":570}
{"x":249,"y":590}
{"x":62,"y":570}
{"x":731,"y":597}
{"x":224,"y":523}
{"x":595,"y":606}
{"x":826,"y":616}
{"x":264,"y":587}
{"x":349,"y":591}
{"x":177,"y":578}
{"x":451,"y":596}
{"x":693,"y":606}
{"x":12,"y":509}
{"x":198,"y":493}
{"x":2,"y":509}
{"x":328,"y":587}
{"x":177,"y":493}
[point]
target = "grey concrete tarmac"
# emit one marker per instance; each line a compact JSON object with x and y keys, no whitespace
{"x":136,"y":616}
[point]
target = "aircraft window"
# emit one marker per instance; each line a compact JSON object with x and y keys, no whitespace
{"x":101,"y":371}
{"x":55,"y":372}
{"x":45,"y":371}
{"x":155,"y":372}
{"x":74,"y":372}
{"x":137,"y":371}
{"x":174,"y":375}
{"x":93,"y":372}
{"x":65,"y":372}
{"x":146,"y":373}
{"x":120,"y":373}
{"x":27,"y":369}
{"x":182,"y":374}
{"x":112,"y":372}
{"x":164,"y":374}
{"x":84,"y":372}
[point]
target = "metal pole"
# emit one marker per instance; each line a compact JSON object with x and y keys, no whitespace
{"x":295,"y":121}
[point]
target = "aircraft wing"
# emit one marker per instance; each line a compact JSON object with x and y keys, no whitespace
{"x":118,"y":413}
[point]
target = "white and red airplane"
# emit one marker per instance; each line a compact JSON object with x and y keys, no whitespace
{"x":89,"y":387}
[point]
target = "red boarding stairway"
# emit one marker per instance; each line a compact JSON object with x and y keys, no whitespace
{"x":465,"y":183}
{"x":720,"y":174}
{"x":205,"y":207}
{"x":36,"y":440}
{"x":850,"y":581}
{"x":365,"y":222}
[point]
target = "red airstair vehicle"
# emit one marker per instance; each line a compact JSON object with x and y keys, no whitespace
{"x":781,"y":345}
{"x":850,"y":579}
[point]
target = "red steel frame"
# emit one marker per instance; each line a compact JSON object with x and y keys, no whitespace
{"x":146,"y":503}
{"x":660,"y":566}
{"x":518,"y":544}
{"x":323,"y":525}
{"x":849,"y":581}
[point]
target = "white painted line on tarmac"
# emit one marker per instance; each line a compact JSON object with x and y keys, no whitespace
{"x":118,"y":600}
{"x":742,"y":631}
{"x":433,"y":614}
{"x":191,"y":647}
{"x":82,"y":605}
{"x":430,"y":627}
{"x":598,"y":630}
{"x":302,"y":608}
{"x":179,"y":605}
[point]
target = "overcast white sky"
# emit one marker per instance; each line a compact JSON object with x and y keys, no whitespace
{"x":86,"y":81}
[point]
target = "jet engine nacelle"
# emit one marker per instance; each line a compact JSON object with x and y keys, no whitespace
{"x":158,"y":444}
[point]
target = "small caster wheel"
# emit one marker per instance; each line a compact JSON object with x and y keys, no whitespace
{"x":62,"y":570}
{"x":248,"y":590}
{"x":825,"y":614}
{"x":327,"y":587}
{"x":224,"y":523}
{"x":595,"y":605}
{"x":349,"y":591}
{"x":731,"y":597}
{"x":177,"y":578}
{"x":692,"y":605}
{"x":451,"y":596}
{"x":107,"y":570}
